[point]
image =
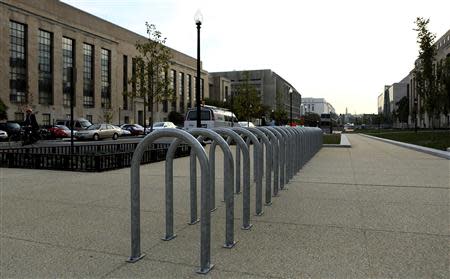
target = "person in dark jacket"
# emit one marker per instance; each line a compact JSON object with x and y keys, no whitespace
{"x":30,"y":120}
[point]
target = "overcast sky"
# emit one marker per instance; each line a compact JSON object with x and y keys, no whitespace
{"x":344,"y":51}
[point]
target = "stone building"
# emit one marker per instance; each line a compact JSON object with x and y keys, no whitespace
{"x":316,"y":105}
{"x":49,"y":50}
{"x":271,"y":87}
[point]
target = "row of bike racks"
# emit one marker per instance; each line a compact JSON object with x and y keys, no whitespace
{"x":287,"y":149}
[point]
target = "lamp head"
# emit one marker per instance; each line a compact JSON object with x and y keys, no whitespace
{"x":291,"y":91}
{"x":198,"y":17}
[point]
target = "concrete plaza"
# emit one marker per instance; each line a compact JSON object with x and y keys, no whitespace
{"x":375,"y":210}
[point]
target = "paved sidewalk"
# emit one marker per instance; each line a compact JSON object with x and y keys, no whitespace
{"x":375,"y":210}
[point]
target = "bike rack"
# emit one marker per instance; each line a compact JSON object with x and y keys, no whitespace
{"x":303,"y":143}
{"x":275,"y":163}
{"x":240,"y":145}
{"x":227,"y":183}
{"x":282,"y":147}
{"x":269,"y":156}
{"x":205,"y":215}
{"x":258,"y":149}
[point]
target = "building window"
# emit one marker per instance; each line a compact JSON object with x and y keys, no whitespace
{"x":312,"y":107}
{"x":181,"y":91}
{"x":18,"y":62}
{"x":68,"y":57}
{"x":173,"y":83}
{"x":46,"y":119}
{"x":45,"y":42}
{"x":202,"y":89}
{"x":125,"y":82}
{"x":89,"y":117}
{"x":126,"y":119}
{"x":106,"y":78}
{"x":19,"y":117}
{"x":88,"y":76}
{"x":189,"y":96}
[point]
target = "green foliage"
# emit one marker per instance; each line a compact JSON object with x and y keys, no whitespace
{"x":425,"y":76}
{"x":311,"y":119}
{"x":150,"y":80}
{"x":280,"y":114}
{"x":3,"y":109}
{"x":217,"y":103}
{"x":403,"y":109}
{"x":176,"y":117}
{"x":247,"y":102}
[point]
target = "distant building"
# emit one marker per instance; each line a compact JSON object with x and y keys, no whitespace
{"x":50,"y":50}
{"x":316,"y":105}
{"x":271,"y":87}
{"x":219,"y":87}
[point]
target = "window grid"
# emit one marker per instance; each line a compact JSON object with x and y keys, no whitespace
{"x":106,"y":78}
{"x":173,"y":81}
{"x":68,"y":57}
{"x":88,"y":76}
{"x":181,"y":92}
{"x":46,"y":119}
{"x":189,"y":97}
{"x":18,"y":62}
{"x":125,"y":82}
{"x":45,"y":41}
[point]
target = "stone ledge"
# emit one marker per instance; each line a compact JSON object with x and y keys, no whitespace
{"x":431,"y":151}
{"x":345,"y":143}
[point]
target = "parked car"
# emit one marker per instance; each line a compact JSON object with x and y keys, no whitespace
{"x":61,"y":131}
{"x":13,"y":130}
{"x":123,"y":132}
{"x":3,"y":135}
{"x":79,"y":124}
{"x":99,"y":131}
{"x":135,"y":129}
{"x":246,"y":124}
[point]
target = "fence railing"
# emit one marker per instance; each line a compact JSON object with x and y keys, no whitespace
{"x":91,"y":158}
{"x":287,"y":151}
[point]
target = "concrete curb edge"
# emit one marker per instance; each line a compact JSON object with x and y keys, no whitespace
{"x":431,"y":151}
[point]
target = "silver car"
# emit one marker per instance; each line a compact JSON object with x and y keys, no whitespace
{"x":99,"y":131}
{"x":3,"y":135}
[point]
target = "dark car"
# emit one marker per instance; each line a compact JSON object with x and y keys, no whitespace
{"x":135,"y":129}
{"x":13,"y":129}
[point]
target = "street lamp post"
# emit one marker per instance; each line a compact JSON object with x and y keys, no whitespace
{"x":198,"y":21}
{"x":290,"y":108}
{"x":415,"y":114}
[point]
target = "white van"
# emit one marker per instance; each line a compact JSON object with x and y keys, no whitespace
{"x":211,"y":117}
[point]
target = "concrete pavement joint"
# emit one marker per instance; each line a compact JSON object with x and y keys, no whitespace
{"x":375,"y":185}
{"x":349,"y":228}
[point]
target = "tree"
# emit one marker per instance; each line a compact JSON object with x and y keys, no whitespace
{"x":311,"y":119}
{"x":425,"y":76}
{"x":247,"y":102}
{"x":176,"y":117}
{"x":3,"y":109}
{"x":150,"y":80}
{"x":280,"y":114}
{"x":402,"y":111}
{"x":217,"y":103}
{"x":444,"y":86}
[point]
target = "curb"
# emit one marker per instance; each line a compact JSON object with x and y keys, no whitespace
{"x":345,"y":143}
{"x":431,"y":151}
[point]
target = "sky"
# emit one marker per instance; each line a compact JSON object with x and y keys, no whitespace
{"x":344,"y":51}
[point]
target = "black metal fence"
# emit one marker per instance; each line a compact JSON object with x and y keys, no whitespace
{"x":95,"y":158}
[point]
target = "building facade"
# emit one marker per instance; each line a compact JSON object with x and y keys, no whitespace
{"x":50,"y":50}
{"x":219,"y":88}
{"x":316,"y":105}
{"x":272,"y":88}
